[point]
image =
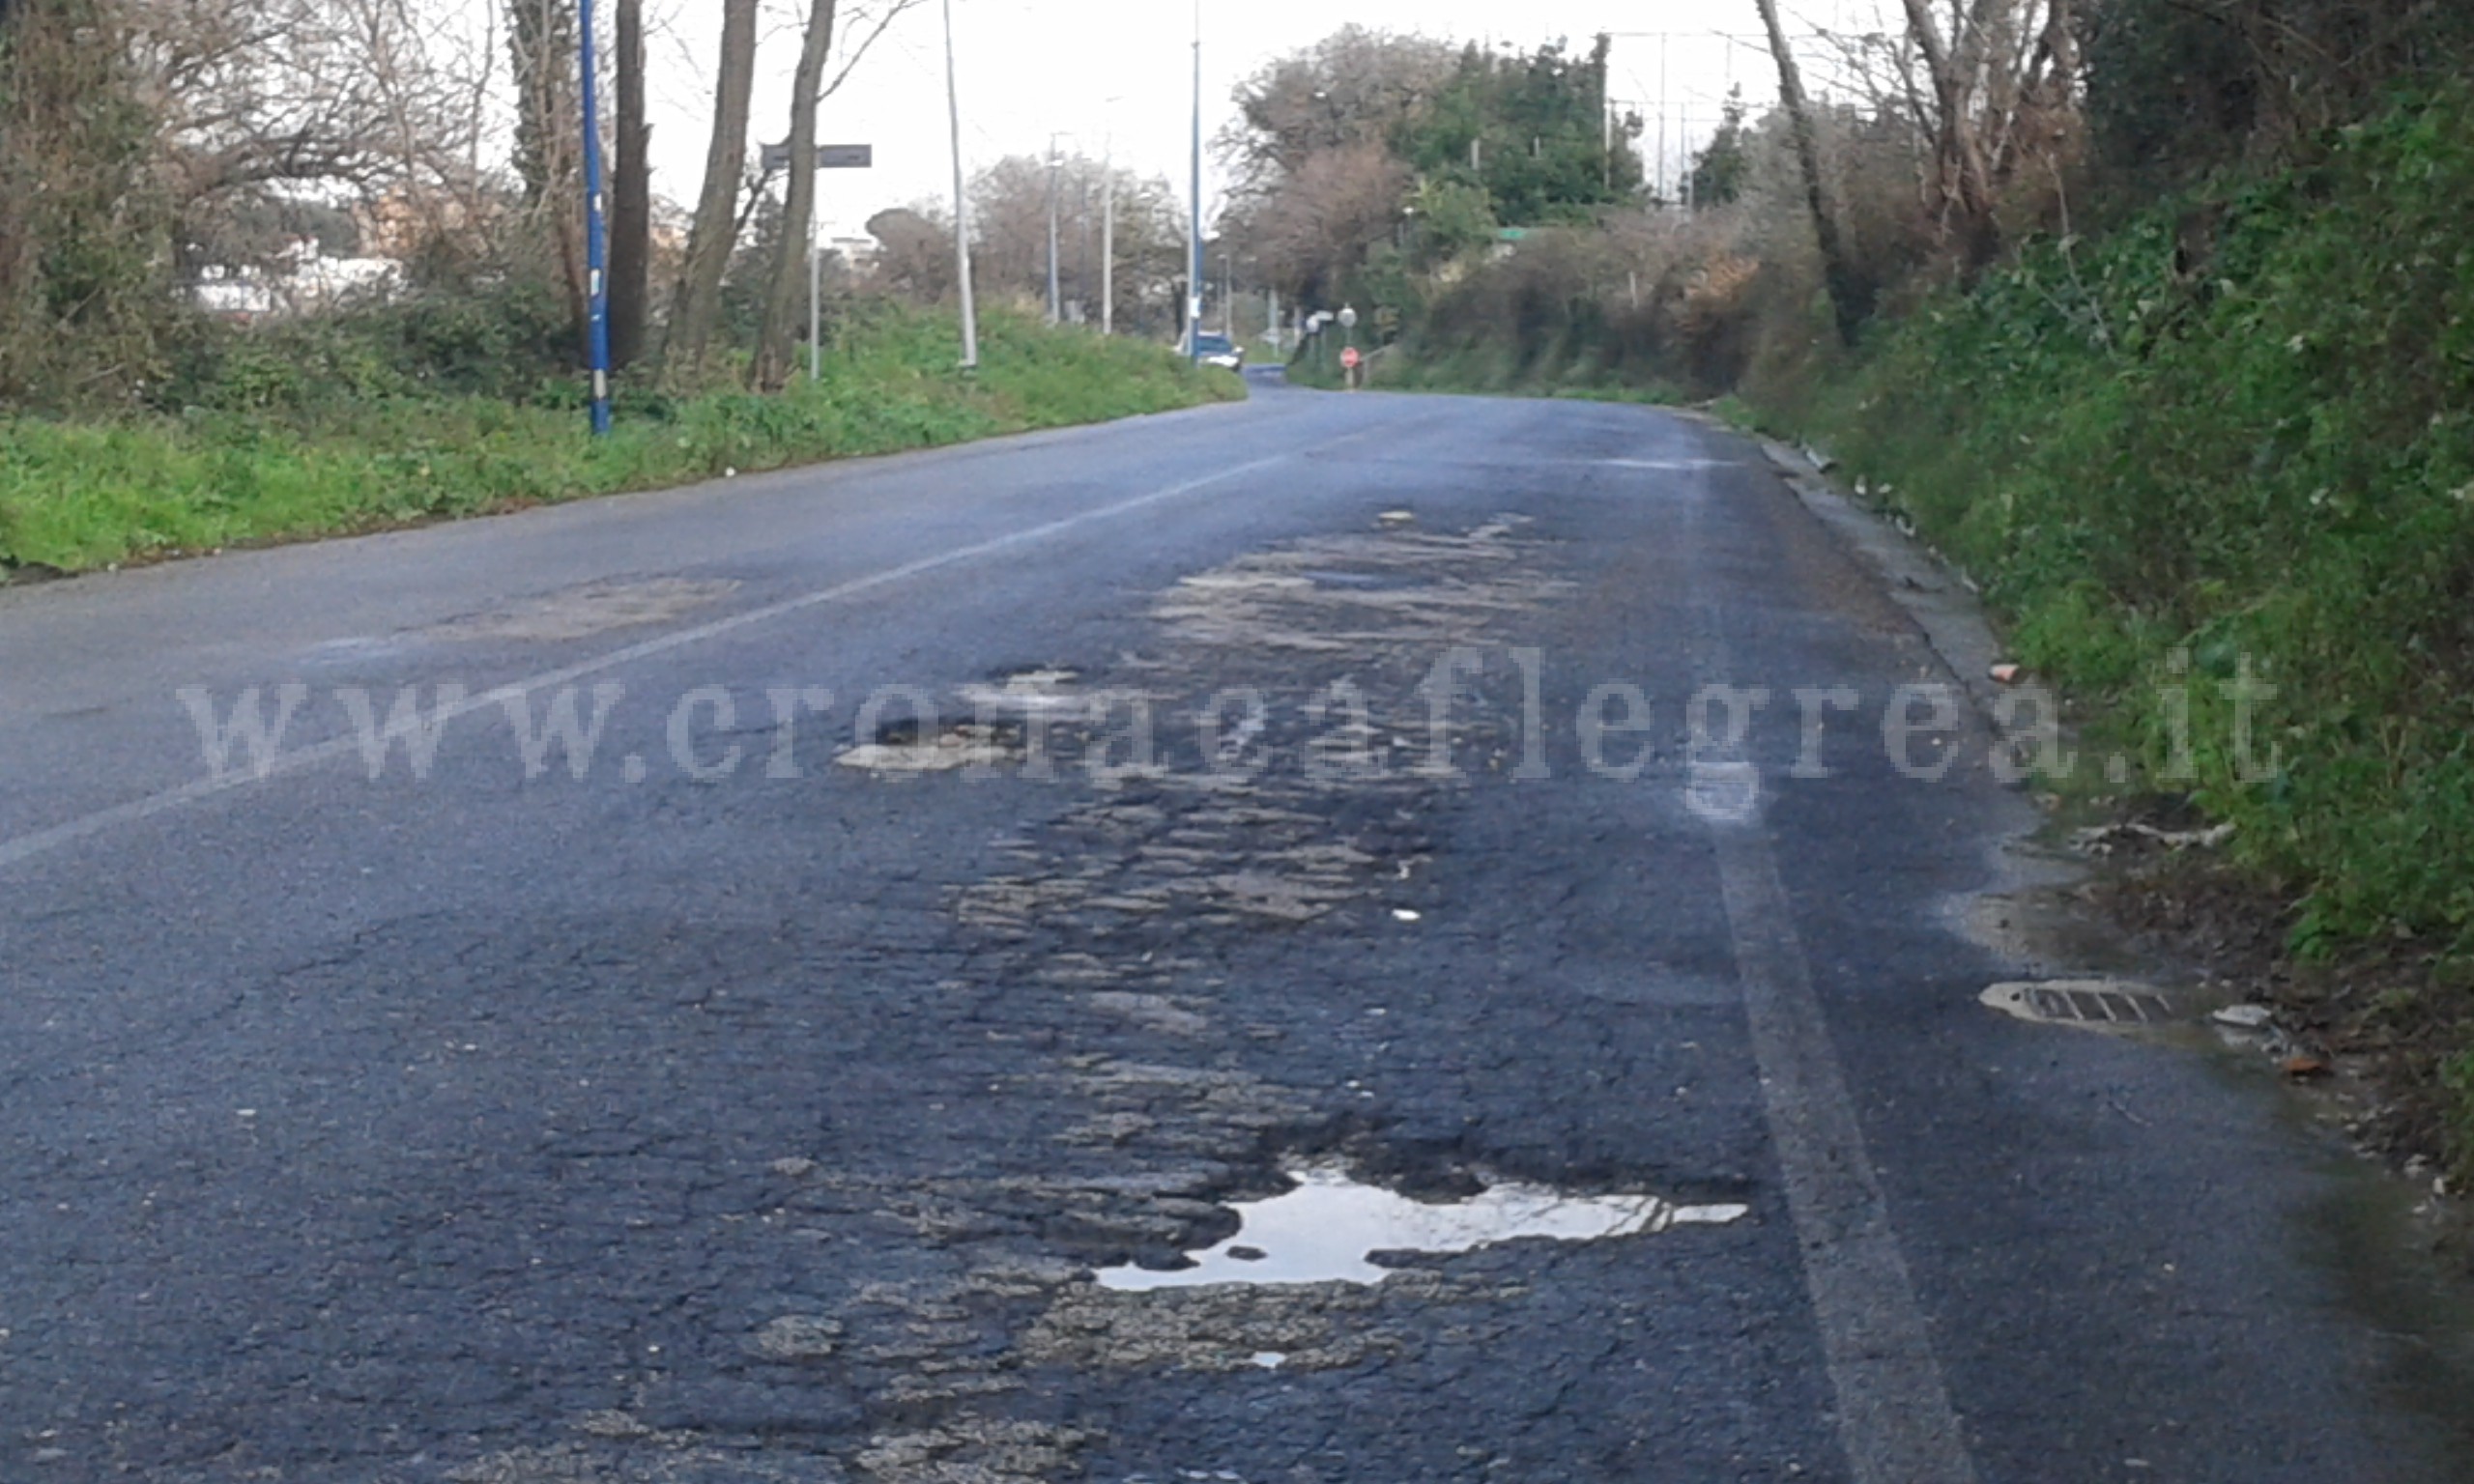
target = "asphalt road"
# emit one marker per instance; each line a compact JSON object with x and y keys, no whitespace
{"x":696,"y":1105}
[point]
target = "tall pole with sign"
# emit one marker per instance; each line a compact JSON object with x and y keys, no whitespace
{"x":828,"y":156}
{"x":1193,"y":266}
{"x":596,"y":228}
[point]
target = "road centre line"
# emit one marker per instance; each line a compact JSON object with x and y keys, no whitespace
{"x":26,"y":847}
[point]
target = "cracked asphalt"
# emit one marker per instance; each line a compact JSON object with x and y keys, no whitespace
{"x":695,"y":1106}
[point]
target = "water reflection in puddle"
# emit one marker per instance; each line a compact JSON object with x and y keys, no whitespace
{"x":1326,"y":1230}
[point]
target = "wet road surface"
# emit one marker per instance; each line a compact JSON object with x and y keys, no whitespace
{"x":1465,"y":876}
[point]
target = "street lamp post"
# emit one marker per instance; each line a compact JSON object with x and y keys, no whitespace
{"x":1109,"y":243}
{"x":962,"y":203}
{"x":1056,"y":308}
{"x":1194,"y":262}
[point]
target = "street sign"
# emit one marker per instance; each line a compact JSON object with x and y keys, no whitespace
{"x":776,"y":157}
{"x":1349,"y":358}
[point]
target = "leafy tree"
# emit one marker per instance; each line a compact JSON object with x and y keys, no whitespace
{"x":1530,"y":131}
{"x":1724,"y":166}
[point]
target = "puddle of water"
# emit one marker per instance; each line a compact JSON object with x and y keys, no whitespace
{"x":1326,"y":1230}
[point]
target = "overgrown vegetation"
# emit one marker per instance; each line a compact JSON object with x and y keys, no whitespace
{"x":2164,"y":465}
{"x":339,"y":426}
{"x":2229,"y":447}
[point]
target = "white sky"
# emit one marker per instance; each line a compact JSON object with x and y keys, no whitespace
{"x":1117,"y":75}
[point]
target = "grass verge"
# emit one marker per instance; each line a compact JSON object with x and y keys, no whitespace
{"x":2215,"y":470}
{"x":80,"y":496}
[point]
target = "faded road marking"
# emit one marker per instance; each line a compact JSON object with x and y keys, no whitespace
{"x":1895,"y":1420}
{"x":1894,"y":1412}
{"x":26,"y":847}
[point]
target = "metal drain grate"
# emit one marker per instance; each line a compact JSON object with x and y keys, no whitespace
{"x":2097,"y":1003}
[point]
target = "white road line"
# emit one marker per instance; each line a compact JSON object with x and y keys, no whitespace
{"x":1895,"y":1420}
{"x":1894,"y":1414}
{"x":25,"y":847}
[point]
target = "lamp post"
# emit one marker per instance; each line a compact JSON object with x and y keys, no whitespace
{"x":1193,"y":264}
{"x":1108,"y":218}
{"x":1056,"y":308}
{"x":962,"y":203}
{"x":596,"y":229}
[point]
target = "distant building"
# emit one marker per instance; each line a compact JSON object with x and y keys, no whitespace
{"x":302,"y":280}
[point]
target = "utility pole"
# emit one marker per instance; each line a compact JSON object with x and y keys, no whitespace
{"x":1109,"y":243}
{"x":1228,"y":295}
{"x":1661,"y":193}
{"x":816,"y":302}
{"x":1194,"y":262}
{"x":962,"y":203}
{"x":1056,"y":311}
{"x":596,"y":230}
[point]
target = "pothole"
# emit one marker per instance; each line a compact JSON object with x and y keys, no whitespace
{"x":1331,"y":1228}
{"x":916,"y":750}
{"x":2096,"y":1004}
{"x":1027,"y":693}
{"x":580,"y":613}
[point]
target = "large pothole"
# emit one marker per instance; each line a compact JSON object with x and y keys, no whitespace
{"x":1332,"y":1228}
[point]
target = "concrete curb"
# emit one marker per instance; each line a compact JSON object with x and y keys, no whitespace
{"x":1943,"y":604}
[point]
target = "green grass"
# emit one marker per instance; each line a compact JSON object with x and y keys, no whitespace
{"x":78,"y":495}
{"x":2163,"y":478}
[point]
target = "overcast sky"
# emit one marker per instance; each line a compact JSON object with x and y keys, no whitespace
{"x":1117,"y":75}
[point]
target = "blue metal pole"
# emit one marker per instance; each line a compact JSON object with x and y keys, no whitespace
{"x":1194,"y":269}
{"x":596,"y":230}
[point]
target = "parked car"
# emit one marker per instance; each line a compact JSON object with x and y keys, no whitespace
{"x":1219,"y":350}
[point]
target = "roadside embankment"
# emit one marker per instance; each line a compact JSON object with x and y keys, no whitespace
{"x":2215,"y":470}
{"x":75,"y":495}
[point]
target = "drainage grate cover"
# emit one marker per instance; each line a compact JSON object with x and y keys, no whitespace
{"x":2101,"y":1004}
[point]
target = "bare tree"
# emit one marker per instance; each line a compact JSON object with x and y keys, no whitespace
{"x":808,"y":88}
{"x":1354,"y":86}
{"x":549,"y":133}
{"x":1850,"y":297}
{"x":771,"y":368}
{"x":697,"y":305}
{"x":1998,"y":92}
{"x":1314,"y":231}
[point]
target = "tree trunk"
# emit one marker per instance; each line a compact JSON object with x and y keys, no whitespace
{"x":549,"y":145}
{"x":1849,"y":297}
{"x":696,"y":306}
{"x":1967,"y":174}
{"x":784,"y":289}
{"x":631,"y":196}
